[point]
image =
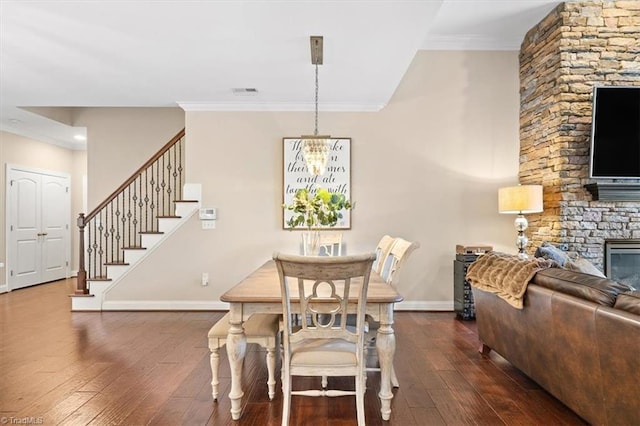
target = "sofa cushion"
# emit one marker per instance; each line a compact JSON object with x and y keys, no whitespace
{"x":628,"y":301}
{"x":583,"y":265}
{"x":584,"y":286}
{"x":549,"y":251}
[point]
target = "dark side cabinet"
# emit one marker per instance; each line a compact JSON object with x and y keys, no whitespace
{"x":462,"y":295}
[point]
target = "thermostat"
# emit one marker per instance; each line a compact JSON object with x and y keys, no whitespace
{"x":207,"y":214}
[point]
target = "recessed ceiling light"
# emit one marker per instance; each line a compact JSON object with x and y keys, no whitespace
{"x":245,"y":91}
{"x":80,"y":137}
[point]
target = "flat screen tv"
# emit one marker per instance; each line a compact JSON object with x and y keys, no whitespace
{"x":615,"y":133}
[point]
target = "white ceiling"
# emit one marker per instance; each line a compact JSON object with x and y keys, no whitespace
{"x":70,"y":53}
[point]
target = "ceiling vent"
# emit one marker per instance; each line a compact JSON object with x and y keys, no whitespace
{"x":245,"y":91}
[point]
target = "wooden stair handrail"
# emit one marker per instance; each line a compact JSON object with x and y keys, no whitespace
{"x":128,"y":182}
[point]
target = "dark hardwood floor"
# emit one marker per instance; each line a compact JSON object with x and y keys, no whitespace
{"x":138,"y":368}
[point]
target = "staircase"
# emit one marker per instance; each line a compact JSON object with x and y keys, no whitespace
{"x":134,"y":220}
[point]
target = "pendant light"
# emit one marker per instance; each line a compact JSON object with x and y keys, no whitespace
{"x":315,"y":149}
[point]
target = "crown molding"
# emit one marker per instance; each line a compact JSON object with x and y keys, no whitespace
{"x":273,"y":107}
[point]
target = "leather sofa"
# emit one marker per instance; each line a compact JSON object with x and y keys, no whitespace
{"x":578,"y":336}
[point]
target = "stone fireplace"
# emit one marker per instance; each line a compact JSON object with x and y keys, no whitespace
{"x":577,"y":46}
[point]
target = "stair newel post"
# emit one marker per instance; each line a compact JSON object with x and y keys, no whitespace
{"x":81,"y":287}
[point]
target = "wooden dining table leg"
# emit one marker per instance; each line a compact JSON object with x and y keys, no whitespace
{"x":386,"y":347}
{"x":236,"y":349}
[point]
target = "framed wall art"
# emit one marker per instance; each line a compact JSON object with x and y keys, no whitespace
{"x":337,"y":177}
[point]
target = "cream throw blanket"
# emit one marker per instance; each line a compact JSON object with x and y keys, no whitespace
{"x":505,"y":275}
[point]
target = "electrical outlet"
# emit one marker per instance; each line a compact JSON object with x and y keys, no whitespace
{"x":205,"y":279}
{"x":208,"y":224}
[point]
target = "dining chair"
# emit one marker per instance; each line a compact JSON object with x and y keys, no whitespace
{"x":330,"y":243}
{"x":323,"y":345}
{"x":382,"y":251}
{"x":262,"y":329}
{"x":399,"y":252}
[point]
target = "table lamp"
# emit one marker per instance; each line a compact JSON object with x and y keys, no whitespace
{"x":520,"y":200}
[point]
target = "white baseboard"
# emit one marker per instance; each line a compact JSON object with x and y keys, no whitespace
{"x":4,"y":288}
{"x":164,"y":305}
{"x":424,"y":305}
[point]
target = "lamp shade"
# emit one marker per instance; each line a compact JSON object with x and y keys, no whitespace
{"x":520,"y":199}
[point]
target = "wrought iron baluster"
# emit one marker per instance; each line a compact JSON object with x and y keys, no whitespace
{"x":158,"y":195}
{"x":132,"y":219}
{"x":175,"y":173}
{"x":100,"y":246}
{"x":123,"y":220}
{"x":118,"y":235}
{"x":143,"y":226}
{"x":110,"y":232}
{"x":152,"y":206}
{"x":146,"y":198}
{"x":180,"y":167}
{"x":134,"y":199}
{"x":166,"y":191}
{"x":169,"y":189}
{"x":91,"y":248}
{"x":130,"y":239}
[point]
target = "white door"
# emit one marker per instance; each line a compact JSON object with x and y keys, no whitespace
{"x":55,"y":227}
{"x":38,"y":217}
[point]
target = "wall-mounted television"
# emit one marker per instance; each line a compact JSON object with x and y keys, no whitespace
{"x":615,"y":133}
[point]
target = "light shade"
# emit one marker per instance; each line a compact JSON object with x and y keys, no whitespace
{"x":315,"y":152}
{"x":520,"y":199}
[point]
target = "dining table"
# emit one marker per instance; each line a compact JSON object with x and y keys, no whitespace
{"x":260,"y":292}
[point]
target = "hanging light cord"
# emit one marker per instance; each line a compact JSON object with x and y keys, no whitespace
{"x":316,"y":118}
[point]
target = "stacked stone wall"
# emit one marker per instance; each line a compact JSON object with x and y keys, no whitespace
{"x":578,"y":45}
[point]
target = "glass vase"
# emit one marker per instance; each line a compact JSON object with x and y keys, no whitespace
{"x":311,"y":243}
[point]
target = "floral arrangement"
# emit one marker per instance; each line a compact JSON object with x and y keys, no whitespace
{"x":322,"y":209}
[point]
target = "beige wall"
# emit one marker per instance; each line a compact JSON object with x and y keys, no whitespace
{"x":120,"y":140}
{"x":20,"y":151}
{"x":427,"y":168}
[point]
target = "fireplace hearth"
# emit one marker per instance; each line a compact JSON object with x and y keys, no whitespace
{"x":622,"y":261}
